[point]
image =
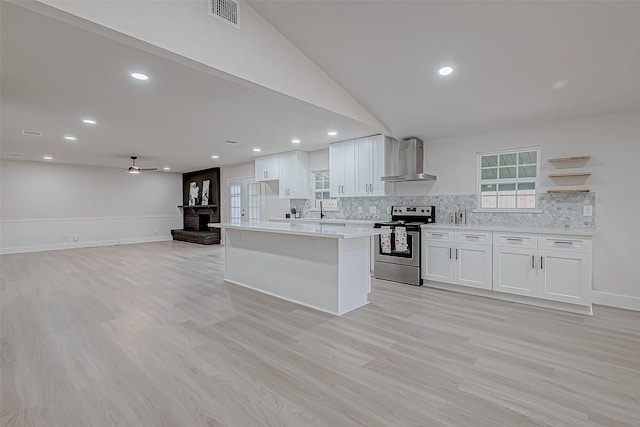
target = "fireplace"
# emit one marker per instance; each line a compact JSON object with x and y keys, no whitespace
{"x":197,"y":217}
{"x":204,"y":219}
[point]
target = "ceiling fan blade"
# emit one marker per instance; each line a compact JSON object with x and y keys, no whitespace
{"x":148,"y":169}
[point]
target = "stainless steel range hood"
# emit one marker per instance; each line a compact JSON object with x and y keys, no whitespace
{"x":404,"y":162}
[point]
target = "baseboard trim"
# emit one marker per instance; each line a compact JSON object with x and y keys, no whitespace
{"x":555,"y":305}
{"x":80,"y":245}
{"x":616,"y":300}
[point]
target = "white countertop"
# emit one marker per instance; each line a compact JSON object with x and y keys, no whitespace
{"x":302,"y":229}
{"x":366,"y":222}
{"x":514,"y":229}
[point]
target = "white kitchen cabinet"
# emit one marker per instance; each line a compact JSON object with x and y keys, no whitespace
{"x":267,"y":168}
{"x":341,"y":169}
{"x":550,"y":267}
{"x":473,"y":265}
{"x":514,"y":270}
{"x":565,"y":276}
{"x":294,"y":175}
{"x":357,"y":166}
{"x":369,"y":166}
{"x":437,"y":262}
{"x":461,"y":258}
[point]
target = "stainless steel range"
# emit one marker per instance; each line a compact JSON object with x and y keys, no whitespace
{"x":397,"y":255}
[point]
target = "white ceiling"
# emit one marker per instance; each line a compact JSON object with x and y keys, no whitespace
{"x":55,"y":74}
{"x":506,"y":56}
{"x":385,"y":54}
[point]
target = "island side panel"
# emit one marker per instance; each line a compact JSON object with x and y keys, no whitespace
{"x":301,"y":269}
{"x":353,"y":273}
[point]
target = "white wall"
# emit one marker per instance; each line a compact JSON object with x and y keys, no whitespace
{"x":44,"y":205}
{"x":613,"y":141}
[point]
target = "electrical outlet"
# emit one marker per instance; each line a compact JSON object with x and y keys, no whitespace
{"x":587,"y":211}
{"x":75,"y":237}
{"x":359,"y":209}
{"x":372,"y":210}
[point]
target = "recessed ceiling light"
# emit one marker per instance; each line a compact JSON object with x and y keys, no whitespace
{"x":215,"y":157}
{"x":167,"y":168}
{"x":256,"y":149}
{"x":562,"y":83}
{"x":139,"y":76}
{"x":89,"y":121}
{"x":332,"y":133}
{"x":70,"y":138}
{"x":445,"y":71}
{"x":295,"y":141}
{"x":47,"y":157}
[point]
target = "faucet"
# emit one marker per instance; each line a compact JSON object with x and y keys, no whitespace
{"x":321,"y":213}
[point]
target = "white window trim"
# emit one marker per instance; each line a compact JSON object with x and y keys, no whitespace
{"x":312,"y":208}
{"x":479,"y":155}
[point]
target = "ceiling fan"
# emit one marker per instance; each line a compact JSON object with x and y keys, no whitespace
{"x":137,"y":169}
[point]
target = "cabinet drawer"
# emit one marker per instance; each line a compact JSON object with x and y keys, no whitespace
{"x":564,"y":243}
{"x":438,"y":235}
{"x":518,"y":240}
{"x":474,"y":237}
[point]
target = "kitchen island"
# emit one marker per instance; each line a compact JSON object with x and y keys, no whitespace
{"x":324,"y":267}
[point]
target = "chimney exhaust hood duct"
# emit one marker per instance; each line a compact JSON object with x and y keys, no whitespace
{"x":405,"y":162}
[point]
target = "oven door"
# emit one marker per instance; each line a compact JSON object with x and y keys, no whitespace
{"x":410,"y":256}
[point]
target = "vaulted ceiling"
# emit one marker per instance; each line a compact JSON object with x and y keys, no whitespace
{"x":358,"y":67}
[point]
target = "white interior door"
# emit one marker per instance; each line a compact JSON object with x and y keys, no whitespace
{"x":245,"y":200}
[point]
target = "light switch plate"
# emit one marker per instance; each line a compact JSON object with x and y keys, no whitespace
{"x":359,"y":209}
{"x":372,"y":210}
{"x":587,"y":211}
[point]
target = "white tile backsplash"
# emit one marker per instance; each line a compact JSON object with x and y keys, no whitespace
{"x":556,"y":210}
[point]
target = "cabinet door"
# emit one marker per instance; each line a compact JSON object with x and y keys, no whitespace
{"x":378,"y":147}
{"x":565,"y":276}
{"x":473,"y":265}
{"x":438,"y":263}
{"x":288,"y":177}
{"x":363,"y":148}
{"x":336,"y":169}
{"x":341,"y":169}
{"x":514,"y":270}
{"x":267,"y":168}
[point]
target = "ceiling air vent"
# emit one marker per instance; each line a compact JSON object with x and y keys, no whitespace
{"x":31,"y":132}
{"x":229,"y":141}
{"x":227,"y":10}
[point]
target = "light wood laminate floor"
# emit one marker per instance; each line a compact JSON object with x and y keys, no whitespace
{"x":149,"y":335}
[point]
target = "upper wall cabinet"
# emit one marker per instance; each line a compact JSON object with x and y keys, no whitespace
{"x":268,"y":168}
{"x":341,"y":169}
{"x":356,"y":167}
{"x":294,"y":175}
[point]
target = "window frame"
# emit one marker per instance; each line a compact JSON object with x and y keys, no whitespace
{"x":314,"y":190}
{"x":479,"y":181}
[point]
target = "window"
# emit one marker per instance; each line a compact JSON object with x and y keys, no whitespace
{"x":321,"y":191}
{"x":235,"y":213}
{"x":253,"y":196}
{"x":508,"y":180}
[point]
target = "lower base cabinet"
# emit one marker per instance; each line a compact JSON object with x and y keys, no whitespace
{"x":561,"y":274}
{"x":549,"y":267}
{"x":565,"y":276}
{"x":465,"y":264}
